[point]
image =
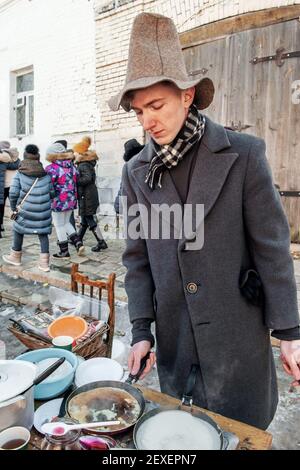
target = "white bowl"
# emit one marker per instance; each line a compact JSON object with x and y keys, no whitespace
{"x":98,"y":368}
{"x":46,"y":412}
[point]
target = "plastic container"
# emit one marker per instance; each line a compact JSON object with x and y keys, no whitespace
{"x":68,"y":326}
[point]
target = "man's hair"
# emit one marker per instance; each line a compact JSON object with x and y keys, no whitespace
{"x":130,"y":94}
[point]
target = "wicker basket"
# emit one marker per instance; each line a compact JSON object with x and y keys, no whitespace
{"x":93,"y":346}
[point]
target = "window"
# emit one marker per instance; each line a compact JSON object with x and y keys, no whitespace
{"x":24,"y":103}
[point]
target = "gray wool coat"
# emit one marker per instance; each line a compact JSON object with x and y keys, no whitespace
{"x":35,"y":215}
{"x":211,"y":323}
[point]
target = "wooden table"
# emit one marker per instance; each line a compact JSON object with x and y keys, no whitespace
{"x":250,"y":438}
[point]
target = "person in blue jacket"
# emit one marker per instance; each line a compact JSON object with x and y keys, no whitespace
{"x":34,"y":215}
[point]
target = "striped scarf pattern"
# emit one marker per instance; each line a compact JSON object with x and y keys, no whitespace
{"x":168,"y":156}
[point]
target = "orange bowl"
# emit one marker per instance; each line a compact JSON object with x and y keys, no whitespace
{"x":68,"y":326}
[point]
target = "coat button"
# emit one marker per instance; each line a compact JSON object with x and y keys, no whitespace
{"x":192,"y":288}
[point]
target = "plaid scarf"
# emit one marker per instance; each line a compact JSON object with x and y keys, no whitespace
{"x":168,"y":156}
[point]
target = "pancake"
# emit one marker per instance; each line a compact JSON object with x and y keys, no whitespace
{"x":105,"y":404}
{"x":177,"y":430}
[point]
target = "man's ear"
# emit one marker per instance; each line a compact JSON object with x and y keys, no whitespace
{"x":188,"y":96}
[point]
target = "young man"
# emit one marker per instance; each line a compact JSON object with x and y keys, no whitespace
{"x":215,"y":303}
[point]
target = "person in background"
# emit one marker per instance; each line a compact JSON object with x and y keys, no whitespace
{"x":131,"y":148}
{"x":34,"y":215}
{"x":64,"y":179}
{"x":9,"y":162}
{"x":86,"y":161}
{"x":65,"y":144}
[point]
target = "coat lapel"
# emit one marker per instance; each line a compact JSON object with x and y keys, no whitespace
{"x":210,"y":173}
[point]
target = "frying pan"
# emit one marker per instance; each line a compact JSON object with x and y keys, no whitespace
{"x":118,"y":397}
{"x":221,"y":438}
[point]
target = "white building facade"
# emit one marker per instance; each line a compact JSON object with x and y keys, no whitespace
{"x":47,"y":71}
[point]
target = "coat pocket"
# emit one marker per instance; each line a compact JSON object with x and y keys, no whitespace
{"x":251,"y":287}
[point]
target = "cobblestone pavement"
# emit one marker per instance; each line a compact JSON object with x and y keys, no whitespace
{"x":95,"y":265}
{"x":24,"y":289}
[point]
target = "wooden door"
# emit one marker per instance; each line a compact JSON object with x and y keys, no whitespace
{"x":257,"y":97}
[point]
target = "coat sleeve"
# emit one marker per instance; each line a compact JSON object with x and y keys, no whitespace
{"x":14,"y":192}
{"x":13,"y":165}
{"x":269,"y":240}
{"x":139,"y":283}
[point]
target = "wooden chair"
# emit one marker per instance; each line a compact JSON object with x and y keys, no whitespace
{"x":78,"y":278}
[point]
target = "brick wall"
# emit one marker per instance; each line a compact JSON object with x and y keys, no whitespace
{"x":113,"y":25}
{"x":57,"y":37}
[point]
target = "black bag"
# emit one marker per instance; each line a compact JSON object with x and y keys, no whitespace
{"x":251,"y":287}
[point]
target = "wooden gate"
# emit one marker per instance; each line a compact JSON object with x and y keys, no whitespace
{"x":256,"y":73}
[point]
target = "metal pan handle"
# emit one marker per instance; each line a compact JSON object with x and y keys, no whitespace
{"x":187,"y":398}
{"x":46,"y":373}
{"x":134,"y":378}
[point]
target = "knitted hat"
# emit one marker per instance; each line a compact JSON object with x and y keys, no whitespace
{"x":62,"y":142}
{"x":155,"y":55}
{"x":31,"y":152}
{"x":131,"y":147}
{"x":83,"y":145}
{"x":55,"y":148}
{"x":4,"y":145}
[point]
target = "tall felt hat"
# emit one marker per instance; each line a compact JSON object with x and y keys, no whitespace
{"x":155,"y":55}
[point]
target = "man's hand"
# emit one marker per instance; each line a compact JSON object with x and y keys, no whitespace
{"x":290,"y":357}
{"x":137,"y":352}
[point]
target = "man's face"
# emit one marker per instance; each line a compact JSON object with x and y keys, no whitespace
{"x":162,"y":109}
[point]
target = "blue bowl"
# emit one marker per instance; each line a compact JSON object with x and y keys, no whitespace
{"x":55,"y":386}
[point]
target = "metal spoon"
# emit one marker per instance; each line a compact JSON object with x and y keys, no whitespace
{"x":59,"y":428}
